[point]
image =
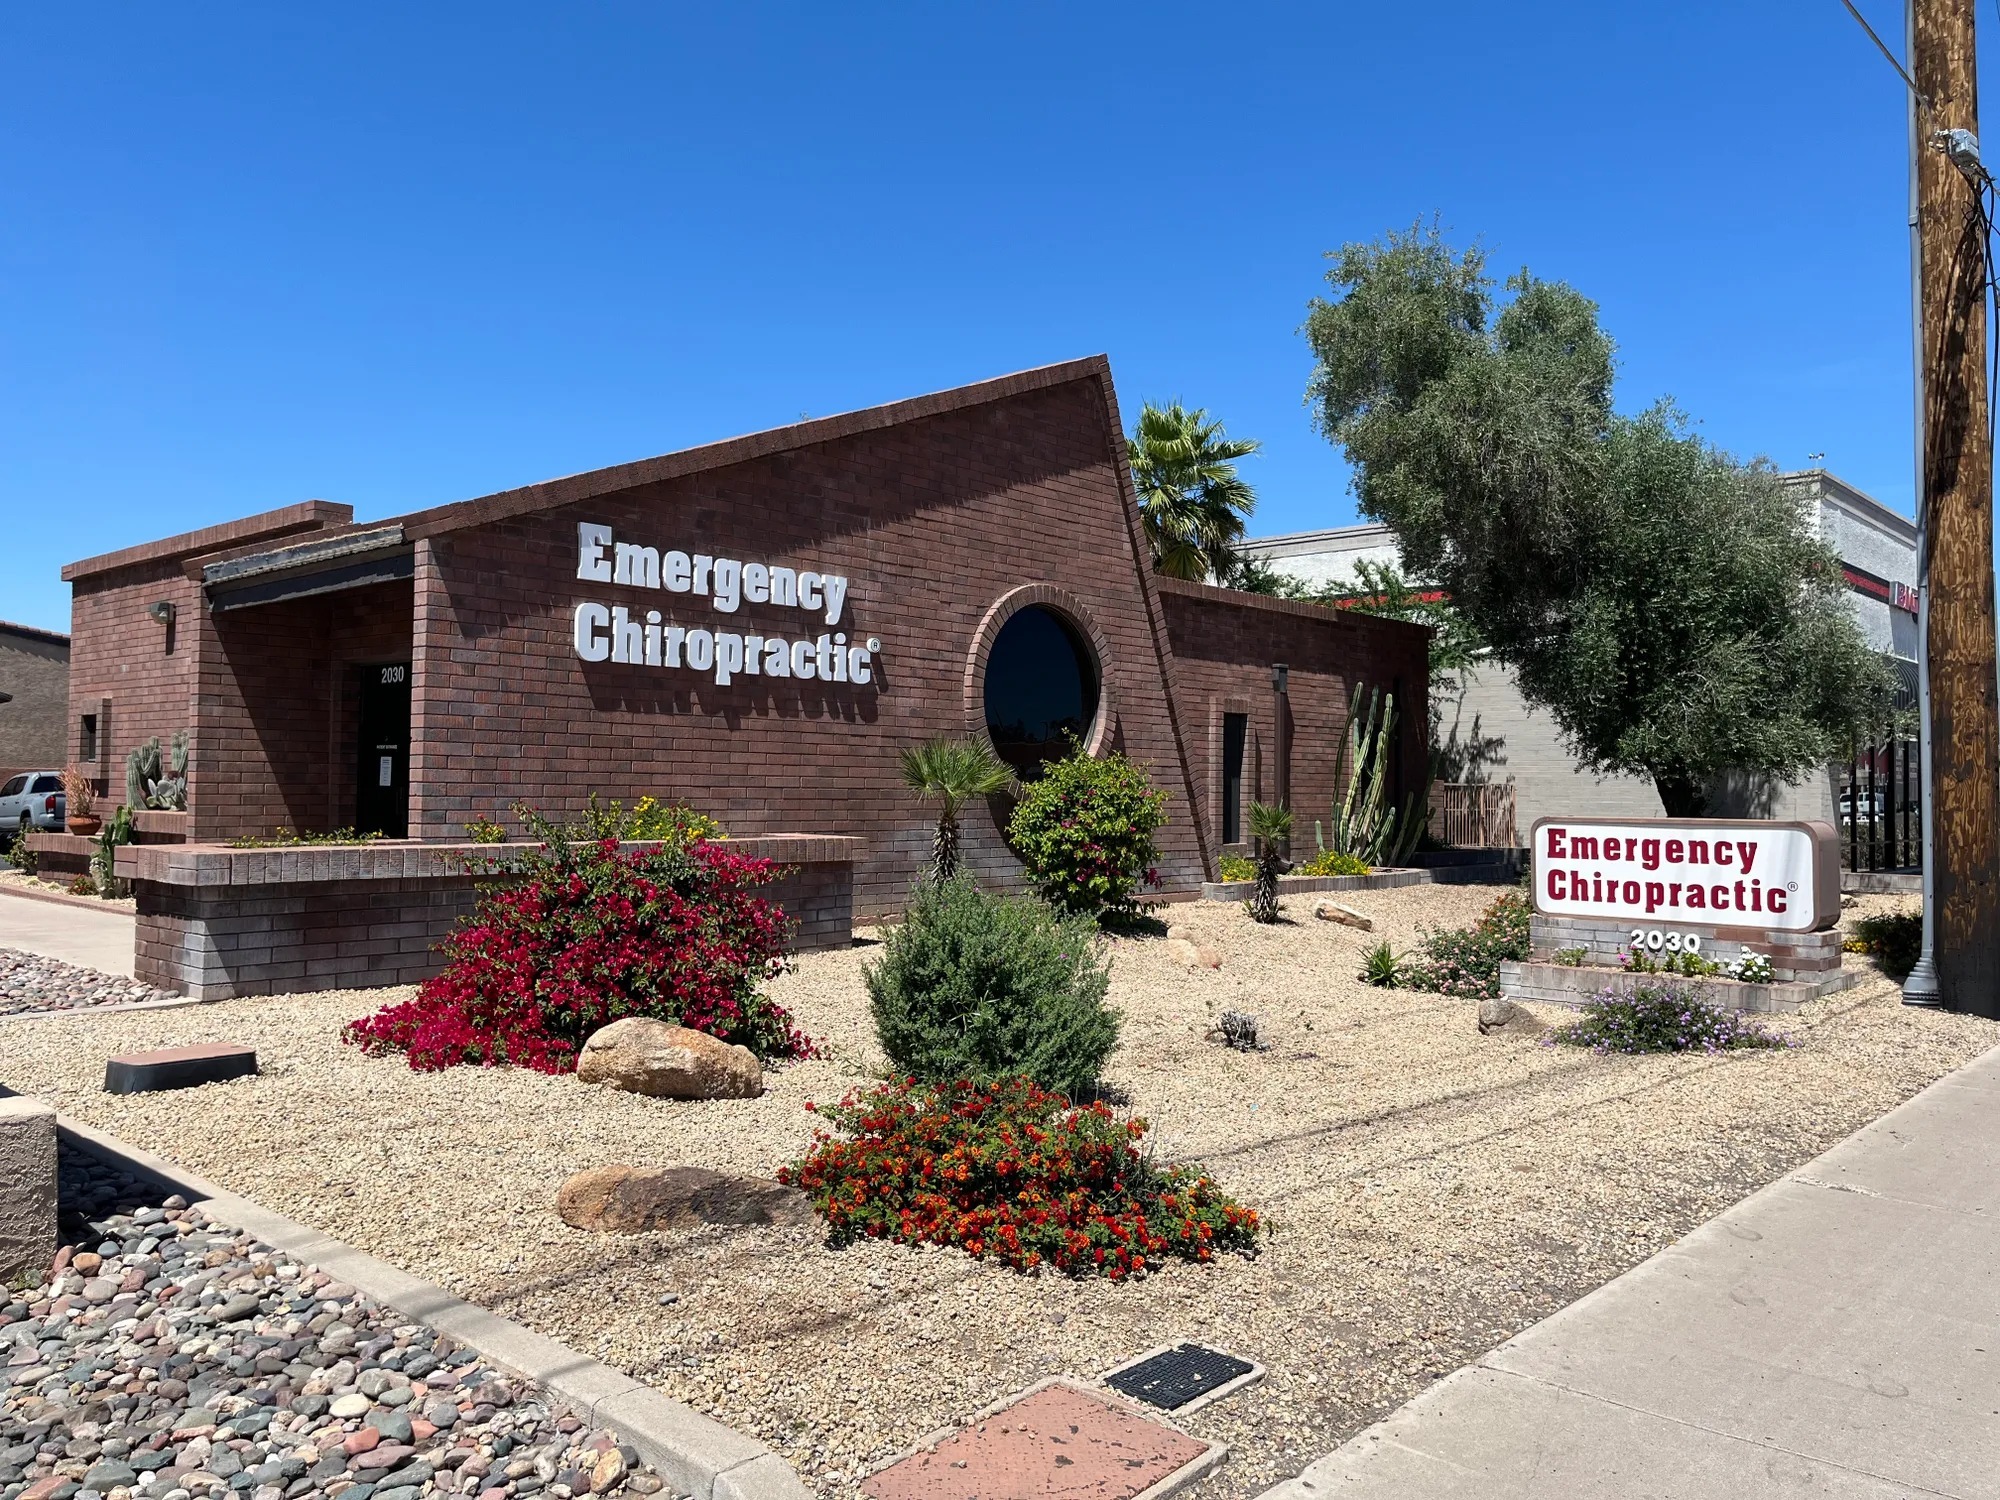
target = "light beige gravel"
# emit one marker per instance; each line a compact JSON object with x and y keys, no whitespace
{"x":1430,"y":1191}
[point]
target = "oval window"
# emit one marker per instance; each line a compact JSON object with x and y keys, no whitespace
{"x":1041,"y":689}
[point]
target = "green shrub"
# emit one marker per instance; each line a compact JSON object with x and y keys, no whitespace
{"x":1236,"y":867}
{"x":1654,"y":1018}
{"x":1333,"y":862}
{"x":1465,"y":961}
{"x":1381,"y":967}
{"x":1571,"y":957}
{"x":486,"y":831}
{"x":1895,"y":940}
{"x":646,"y":820}
{"x":1084,"y":830}
{"x":977,"y":986}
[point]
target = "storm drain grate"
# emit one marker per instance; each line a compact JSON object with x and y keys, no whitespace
{"x":1174,"y":1377}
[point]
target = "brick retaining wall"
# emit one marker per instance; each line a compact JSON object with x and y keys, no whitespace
{"x":1793,"y":955}
{"x":217,"y":922}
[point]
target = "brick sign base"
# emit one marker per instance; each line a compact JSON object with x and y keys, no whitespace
{"x":1805,"y":965}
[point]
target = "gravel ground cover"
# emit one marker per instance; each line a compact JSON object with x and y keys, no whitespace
{"x":30,"y":982}
{"x":168,"y":1357}
{"x":1430,"y":1191}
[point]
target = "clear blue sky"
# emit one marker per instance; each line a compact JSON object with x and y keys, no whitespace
{"x":396,"y":256}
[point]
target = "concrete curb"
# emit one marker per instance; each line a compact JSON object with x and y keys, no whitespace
{"x":63,"y":898}
{"x":694,"y":1454}
{"x":177,"y":1003}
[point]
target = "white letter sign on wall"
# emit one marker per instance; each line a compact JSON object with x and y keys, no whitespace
{"x":636,"y":635}
{"x":1722,"y":872}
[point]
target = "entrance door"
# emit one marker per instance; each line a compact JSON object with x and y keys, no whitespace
{"x":382,"y":787}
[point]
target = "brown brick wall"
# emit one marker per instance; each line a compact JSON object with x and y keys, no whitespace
{"x":34,"y":668}
{"x":1224,"y":645}
{"x":932,"y":520}
{"x":215,"y":941}
{"x":279,"y":694}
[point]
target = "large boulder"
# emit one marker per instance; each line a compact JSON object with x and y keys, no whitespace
{"x":664,"y":1061}
{"x":631,"y":1200}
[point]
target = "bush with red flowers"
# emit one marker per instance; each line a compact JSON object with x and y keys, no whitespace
{"x":1010,"y":1172}
{"x":594,"y":931}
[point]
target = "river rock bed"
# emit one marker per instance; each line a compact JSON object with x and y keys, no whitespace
{"x":168,"y":1357}
{"x":30,"y":982}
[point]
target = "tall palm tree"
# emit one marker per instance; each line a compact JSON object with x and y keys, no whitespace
{"x":1269,"y":827}
{"x":1191,"y":499}
{"x":949,"y":773}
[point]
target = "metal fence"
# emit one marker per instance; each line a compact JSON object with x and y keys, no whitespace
{"x":1878,"y":795}
{"x":1472,"y":815}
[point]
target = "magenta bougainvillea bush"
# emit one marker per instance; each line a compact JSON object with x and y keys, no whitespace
{"x":592,"y":932}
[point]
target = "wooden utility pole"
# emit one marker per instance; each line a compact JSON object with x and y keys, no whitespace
{"x":1958,"y":534}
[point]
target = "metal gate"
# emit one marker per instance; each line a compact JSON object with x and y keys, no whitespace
{"x":1878,"y":795}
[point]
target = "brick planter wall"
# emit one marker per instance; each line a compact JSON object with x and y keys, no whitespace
{"x":216,"y":922}
{"x":1565,"y":984}
{"x":1793,"y":955}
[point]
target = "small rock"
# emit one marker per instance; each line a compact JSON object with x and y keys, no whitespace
{"x":606,"y":1473}
{"x":631,"y":1200}
{"x":353,"y":1404}
{"x":1347,"y":916}
{"x":662,"y":1061}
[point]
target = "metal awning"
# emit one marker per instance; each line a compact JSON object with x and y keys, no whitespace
{"x":352,"y":560}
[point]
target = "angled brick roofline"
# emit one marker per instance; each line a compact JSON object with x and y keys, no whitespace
{"x":572,"y":488}
{"x":286,"y":520}
{"x":34,"y":633}
{"x":1273,"y":604}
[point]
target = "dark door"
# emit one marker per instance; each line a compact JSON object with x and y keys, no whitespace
{"x":382,"y":785}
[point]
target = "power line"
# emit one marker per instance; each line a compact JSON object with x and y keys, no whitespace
{"x":1883,"y":47}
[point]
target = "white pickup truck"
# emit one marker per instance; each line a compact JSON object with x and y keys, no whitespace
{"x":34,"y":799}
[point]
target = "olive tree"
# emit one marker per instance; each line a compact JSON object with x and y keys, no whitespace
{"x":1670,"y":607}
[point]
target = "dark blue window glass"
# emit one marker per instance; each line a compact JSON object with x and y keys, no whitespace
{"x":1041,"y":689}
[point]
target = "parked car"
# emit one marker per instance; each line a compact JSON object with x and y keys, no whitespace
{"x":34,"y":799}
{"x":1868,"y":806}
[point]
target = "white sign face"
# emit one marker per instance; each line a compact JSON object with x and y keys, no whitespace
{"x":636,"y":635}
{"x":1724,"y":873}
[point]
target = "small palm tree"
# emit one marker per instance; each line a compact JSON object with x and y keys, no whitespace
{"x":949,"y":773}
{"x":1191,"y":500}
{"x":1269,"y":827}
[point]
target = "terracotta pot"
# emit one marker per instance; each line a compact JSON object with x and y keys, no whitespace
{"x":83,"y":825}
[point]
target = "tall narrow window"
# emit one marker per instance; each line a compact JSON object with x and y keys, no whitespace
{"x":86,"y":739}
{"x":1235,"y":733}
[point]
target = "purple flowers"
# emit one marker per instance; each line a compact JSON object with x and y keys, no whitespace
{"x":1660,"y":1018}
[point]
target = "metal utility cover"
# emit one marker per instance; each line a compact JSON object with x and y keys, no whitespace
{"x":1181,"y":1376}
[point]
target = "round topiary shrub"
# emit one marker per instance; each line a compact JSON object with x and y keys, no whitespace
{"x":1084,"y":829}
{"x":978,"y":986}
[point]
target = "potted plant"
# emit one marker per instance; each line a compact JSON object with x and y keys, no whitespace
{"x":79,"y":801}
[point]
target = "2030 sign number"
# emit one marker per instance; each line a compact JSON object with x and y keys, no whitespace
{"x":1671,"y":942}
{"x":394,"y":674}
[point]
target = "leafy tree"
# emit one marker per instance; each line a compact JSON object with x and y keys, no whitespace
{"x":1669,"y":606}
{"x":950,"y":773}
{"x":1191,"y":500}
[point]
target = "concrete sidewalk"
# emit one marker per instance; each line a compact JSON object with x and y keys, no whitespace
{"x":100,"y":940}
{"x":1836,"y":1334}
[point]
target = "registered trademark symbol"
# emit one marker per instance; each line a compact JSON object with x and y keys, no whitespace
{"x":1791,"y":885}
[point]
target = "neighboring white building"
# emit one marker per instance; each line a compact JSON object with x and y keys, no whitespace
{"x":1491,"y":734}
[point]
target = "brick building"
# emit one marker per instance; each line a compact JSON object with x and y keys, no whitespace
{"x":34,"y":676}
{"x":756,"y":626}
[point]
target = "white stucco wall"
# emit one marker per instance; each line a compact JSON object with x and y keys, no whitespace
{"x":1496,"y":736}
